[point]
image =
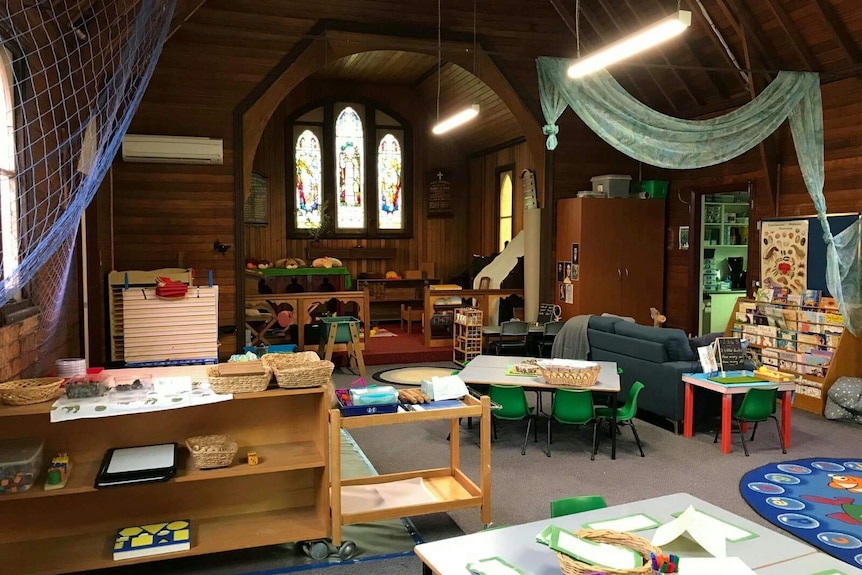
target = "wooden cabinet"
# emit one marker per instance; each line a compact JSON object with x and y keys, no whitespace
{"x":620,"y":255}
{"x":449,"y":487}
{"x":812,"y":345}
{"x":283,"y":498}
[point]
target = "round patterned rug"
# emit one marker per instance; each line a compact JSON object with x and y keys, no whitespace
{"x":818,"y":500}
{"x":413,"y":375}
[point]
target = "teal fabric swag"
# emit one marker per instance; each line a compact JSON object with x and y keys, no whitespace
{"x":664,"y":141}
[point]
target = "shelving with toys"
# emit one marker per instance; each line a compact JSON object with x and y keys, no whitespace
{"x":802,"y":335}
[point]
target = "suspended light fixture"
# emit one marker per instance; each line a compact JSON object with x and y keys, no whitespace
{"x":645,"y":39}
{"x":467,"y":114}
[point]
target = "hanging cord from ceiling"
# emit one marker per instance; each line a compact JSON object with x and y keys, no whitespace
{"x":474,"y":38}
{"x":578,"y":26}
{"x":439,"y":57}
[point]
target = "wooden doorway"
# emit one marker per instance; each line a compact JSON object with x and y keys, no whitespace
{"x":722,"y":235}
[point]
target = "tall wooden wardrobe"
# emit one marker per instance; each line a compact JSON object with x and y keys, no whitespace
{"x":620,"y":256}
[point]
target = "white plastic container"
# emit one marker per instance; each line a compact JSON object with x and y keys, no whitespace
{"x":20,"y":463}
{"x":612,"y":185}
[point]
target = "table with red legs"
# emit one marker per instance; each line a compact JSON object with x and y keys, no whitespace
{"x":728,"y":391}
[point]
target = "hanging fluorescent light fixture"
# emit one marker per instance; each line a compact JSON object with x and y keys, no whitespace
{"x":650,"y":36}
{"x":456,"y":120}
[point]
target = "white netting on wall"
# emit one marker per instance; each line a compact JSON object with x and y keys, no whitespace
{"x":71,"y":77}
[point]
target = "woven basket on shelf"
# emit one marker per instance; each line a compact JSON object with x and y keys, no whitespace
{"x":570,"y":373}
{"x":571,"y":566}
{"x":211,"y":451}
{"x":276,"y":361}
{"x":311,"y":374}
{"x":238,"y":383}
{"x":27,"y":391}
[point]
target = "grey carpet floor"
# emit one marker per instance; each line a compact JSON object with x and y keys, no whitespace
{"x":524,"y":485}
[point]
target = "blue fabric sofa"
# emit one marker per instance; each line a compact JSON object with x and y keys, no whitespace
{"x":657,"y":357}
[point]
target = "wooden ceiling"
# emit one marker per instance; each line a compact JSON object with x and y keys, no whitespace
{"x":732,"y":49}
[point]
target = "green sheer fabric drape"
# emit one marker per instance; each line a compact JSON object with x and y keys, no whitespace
{"x":661,"y":140}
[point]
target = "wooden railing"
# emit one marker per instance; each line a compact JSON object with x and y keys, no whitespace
{"x":303,"y":304}
{"x":483,"y":299}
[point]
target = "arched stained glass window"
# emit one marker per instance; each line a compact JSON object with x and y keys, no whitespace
{"x":390,"y":215}
{"x":349,"y":165}
{"x":8,"y":191}
{"x":308,"y":177}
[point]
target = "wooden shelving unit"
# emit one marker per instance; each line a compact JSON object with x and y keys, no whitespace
{"x":284,"y":498}
{"x":451,"y":488}
{"x":785,"y":351}
{"x":467,"y":336}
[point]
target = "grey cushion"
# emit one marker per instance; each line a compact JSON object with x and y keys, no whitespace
{"x":674,"y":340}
{"x":844,"y":399}
{"x":604,"y":323}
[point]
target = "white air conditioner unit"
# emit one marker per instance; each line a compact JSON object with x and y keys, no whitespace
{"x":172,"y":149}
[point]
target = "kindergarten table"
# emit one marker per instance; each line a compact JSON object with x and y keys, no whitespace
{"x":727,"y":392}
{"x":517,"y":544}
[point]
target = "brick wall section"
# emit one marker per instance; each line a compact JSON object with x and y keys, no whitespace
{"x":19,"y":347}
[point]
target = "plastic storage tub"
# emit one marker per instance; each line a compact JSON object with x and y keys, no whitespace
{"x":613,"y":185}
{"x":20,"y":463}
{"x":655,"y":188}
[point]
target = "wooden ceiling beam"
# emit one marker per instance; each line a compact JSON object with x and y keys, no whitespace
{"x":686,"y":42}
{"x":569,"y":21}
{"x":751,"y":33}
{"x":716,"y":37}
{"x":844,"y":38}
{"x":792,"y":32}
{"x":620,"y":28}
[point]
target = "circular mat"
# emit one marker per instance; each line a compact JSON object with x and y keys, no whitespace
{"x":412,"y":375}
{"x":817,"y":500}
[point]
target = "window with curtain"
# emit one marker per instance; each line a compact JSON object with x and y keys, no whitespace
{"x":8,"y":190}
{"x":506,"y":209}
{"x":349,"y":161}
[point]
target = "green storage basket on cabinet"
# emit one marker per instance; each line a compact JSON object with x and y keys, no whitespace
{"x":655,"y":188}
{"x":341,"y":325}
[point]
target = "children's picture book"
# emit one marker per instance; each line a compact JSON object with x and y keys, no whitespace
{"x":794,"y":299}
{"x":155,"y":539}
{"x":779,"y":294}
{"x":828,"y":303}
{"x":811,"y":299}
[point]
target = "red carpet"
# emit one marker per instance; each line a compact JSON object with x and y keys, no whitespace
{"x":404,"y":348}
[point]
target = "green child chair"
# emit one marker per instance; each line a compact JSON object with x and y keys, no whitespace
{"x":513,"y":407}
{"x":576,"y":504}
{"x":758,"y":405}
{"x":626,"y":413}
{"x":572,"y":407}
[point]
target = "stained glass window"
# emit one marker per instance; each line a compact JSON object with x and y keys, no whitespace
{"x":8,"y":191}
{"x":349,"y":176}
{"x":506,"y":221}
{"x":308,"y":162}
{"x":390,"y":215}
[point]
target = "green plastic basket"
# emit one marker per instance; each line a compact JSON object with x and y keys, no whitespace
{"x":655,"y":188}
{"x":341,"y":325}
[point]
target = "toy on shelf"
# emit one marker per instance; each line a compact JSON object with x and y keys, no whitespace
{"x":58,"y":472}
{"x":252,"y":458}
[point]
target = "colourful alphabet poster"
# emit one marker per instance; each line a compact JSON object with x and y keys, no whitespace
{"x":784,"y":255}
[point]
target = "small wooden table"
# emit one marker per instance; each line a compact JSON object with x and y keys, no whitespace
{"x":727,"y":392}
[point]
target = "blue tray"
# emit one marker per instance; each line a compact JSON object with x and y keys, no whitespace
{"x":348,"y":409}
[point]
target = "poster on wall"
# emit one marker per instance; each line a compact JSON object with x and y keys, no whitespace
{"x":575,"y":274}
{"x":784,"y":255}
{"x":574,"y":254}
{"x":439,"y":196}
{"x":561,"y":271}
{"x":570,"y":293}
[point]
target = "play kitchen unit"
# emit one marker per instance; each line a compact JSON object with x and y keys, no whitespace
{"x":723,"y":256}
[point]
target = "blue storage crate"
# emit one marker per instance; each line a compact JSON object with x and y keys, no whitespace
{"x":348,"y":409}
{"x":341,"y":324}
{"x":282,"y":348}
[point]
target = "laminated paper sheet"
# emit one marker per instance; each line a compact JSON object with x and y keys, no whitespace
{"x":361,"y":498}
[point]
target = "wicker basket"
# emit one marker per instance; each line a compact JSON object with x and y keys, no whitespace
{"x":276,"y":361}
{"x":570,"y":372}
{"x":571,"y":566}
{"x":312,"y":374}
{"x":27,"y":391}
{"x":211,"y":451}
{"x":238,"y":383}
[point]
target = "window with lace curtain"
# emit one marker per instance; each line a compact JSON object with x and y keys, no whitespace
{"x":8,"y":191}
